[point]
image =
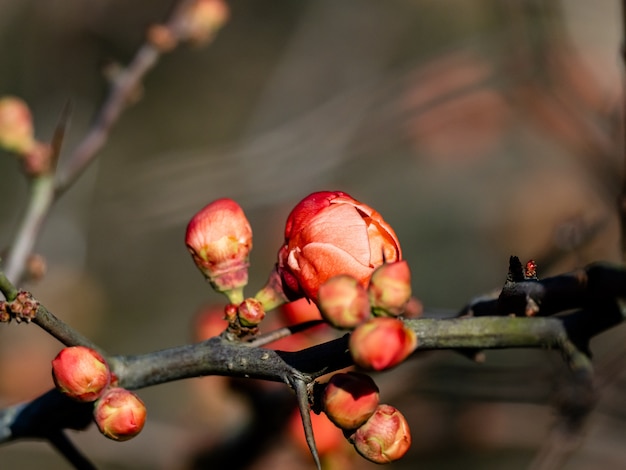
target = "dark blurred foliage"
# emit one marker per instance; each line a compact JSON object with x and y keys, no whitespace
{"x":479,"y":129}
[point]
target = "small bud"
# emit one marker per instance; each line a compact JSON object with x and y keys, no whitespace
{"x":250,"y":313}
{"x":161,"y":37}
{"x":16,"y":125}
{"x":203,"y":19}
{"x":119,"y":414}
{"x":80,"y":373}
{"x":36,"y":267}
{"x":349,"y":399}
{"x":219,"y":239}
{"x":343,"y":302}
{"x":381,"y":343}
{"x":390,"y":289}
{"x":385,"y":437}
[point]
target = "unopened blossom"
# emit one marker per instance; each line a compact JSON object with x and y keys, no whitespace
{"x":328,"y":234}
{"x":16,"y":125}
{"x":349,"y":399}
{"x":80,"y":373}
{"x":381,"y":343}
{"x":250,"y":312}
{"x":385,"y":436}
{"x":343,"y":302}
{"x":219,"y":238}
{"x":119,"y":414}
{"x":390,"y":289}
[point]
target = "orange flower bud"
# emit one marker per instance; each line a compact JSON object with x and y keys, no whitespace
{"x":381,"y":343}
{"x":80,"y":373}
{"x":330,"y":233}
{"x":16,"y":125}
{"x":343,"y":302}
{"x":250,"y":313}
{"x":390,"y":289}
{"x":204,"y":18}
{"x":349,"y":399}
{"x":385,"y":437}
{"x":119,"y":414}
{"x":219,"y":238}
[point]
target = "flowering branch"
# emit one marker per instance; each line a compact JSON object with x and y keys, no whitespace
{"x":217,"y":356}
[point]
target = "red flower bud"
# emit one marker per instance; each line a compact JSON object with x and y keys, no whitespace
{"x":80,"y":373}
{"x":349,"y":399}
{"x":390,"y":289}
{"x":16,"y":125}
{"x":119,"y":414}
{"x":343,"y":302}
{"x":384,"y":437}
{"x":219,"y":239}
{"x":381,"y":343}
{"x":330,"y":233}
{"x":250,"y":312}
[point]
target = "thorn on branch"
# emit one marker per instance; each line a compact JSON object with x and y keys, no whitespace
{"x":302,"y":396}
{"x":515,"y":298}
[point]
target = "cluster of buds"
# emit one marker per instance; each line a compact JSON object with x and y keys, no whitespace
{"x":23,"y":308}
{"x":83,"y":375}
{"x":342,"y":257}
{"x":17,"y":136}
{"x":379,"y":432}
{"x":379,"y":340}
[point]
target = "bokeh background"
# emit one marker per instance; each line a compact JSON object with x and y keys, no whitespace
{"x":479,"y":129}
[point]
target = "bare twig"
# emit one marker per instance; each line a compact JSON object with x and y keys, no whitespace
{"x":45,"y":189}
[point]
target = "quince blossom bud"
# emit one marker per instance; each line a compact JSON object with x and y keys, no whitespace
{"x":381,"y":343}
{"x":203,"y":19}
{"x":385,"y":437}
{"x":343,"y":302}
{"x":390,"y":289}
{"x":119,"y":414}
{"x":330,"y":233}
{"x":80,"y":373}
{"x":349,"y":399}
{"x":250,"y":313}
{"x":16,"y":125}
{"x":219,"y":238}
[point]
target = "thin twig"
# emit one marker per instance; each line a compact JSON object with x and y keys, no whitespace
{"x":267,"y":338}
{"x":45,"y":189}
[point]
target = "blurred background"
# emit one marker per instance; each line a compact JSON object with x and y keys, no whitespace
{"x":479,"y":129}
